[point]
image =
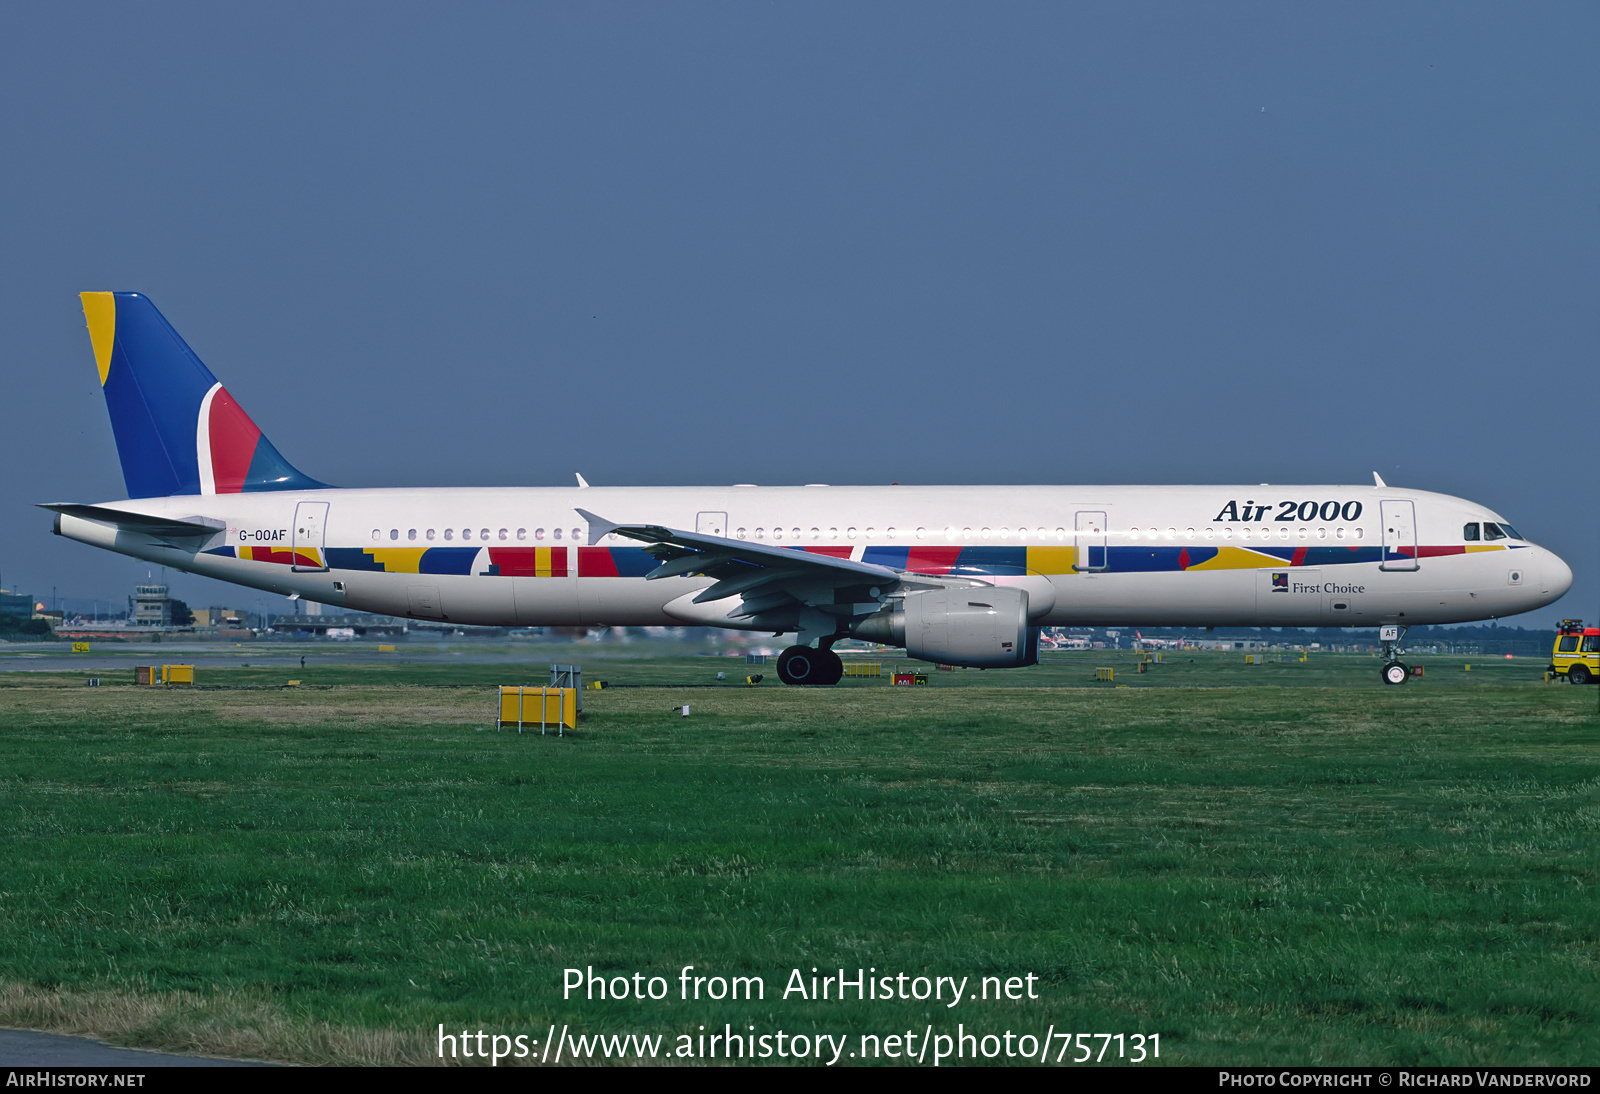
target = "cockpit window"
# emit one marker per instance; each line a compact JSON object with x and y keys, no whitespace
{"x":1491,"y":530}
{"x":1470,"y":532}
{"x":1508,"y":530}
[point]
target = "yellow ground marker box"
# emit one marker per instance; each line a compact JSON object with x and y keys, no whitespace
{"x":863,"y":668}
{"x":177,"y":674}
{"x":540,"y":707}
{"x":80,"y":647}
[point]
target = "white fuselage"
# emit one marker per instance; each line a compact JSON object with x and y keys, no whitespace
{"x":1088,"y":555}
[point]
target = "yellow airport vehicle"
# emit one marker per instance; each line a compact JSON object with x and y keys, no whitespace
{"x":1576,"y":654}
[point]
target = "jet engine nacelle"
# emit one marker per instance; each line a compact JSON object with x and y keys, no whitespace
{"x":980,"y":628}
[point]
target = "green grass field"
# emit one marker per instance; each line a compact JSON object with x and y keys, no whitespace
{"x":1276,"y":864}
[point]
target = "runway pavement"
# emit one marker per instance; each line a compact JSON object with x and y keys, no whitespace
{"x":30,"y":1048}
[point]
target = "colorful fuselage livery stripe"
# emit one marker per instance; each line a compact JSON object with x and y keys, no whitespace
{"x":932,"y":560}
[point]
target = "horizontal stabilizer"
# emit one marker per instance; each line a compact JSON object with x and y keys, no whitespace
{"x":143,"y":523}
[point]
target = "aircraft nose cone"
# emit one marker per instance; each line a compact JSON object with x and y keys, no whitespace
{"x":1557,"y":576}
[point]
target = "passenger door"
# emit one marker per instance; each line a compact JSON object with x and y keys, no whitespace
{"x":306,"y":542}
{"x":1091,"y":532}
{"x":1399,"y":534}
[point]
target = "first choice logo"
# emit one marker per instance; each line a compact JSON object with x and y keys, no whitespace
{"x":1281,"y":583}
{"x":263,"y":535}
{"x":1302,"y":511}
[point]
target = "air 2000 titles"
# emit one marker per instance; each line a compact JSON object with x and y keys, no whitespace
{"x":1290,"y":511}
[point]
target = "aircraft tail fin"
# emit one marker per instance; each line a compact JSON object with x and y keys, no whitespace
{"x":178,"y":430}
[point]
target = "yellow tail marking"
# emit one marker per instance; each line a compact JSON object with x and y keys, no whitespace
{"x":100,"y":309}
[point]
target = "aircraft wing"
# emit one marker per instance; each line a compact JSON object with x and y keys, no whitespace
{"x":768,"y":578}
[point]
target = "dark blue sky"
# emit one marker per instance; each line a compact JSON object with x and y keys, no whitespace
{"x":782,"y":243}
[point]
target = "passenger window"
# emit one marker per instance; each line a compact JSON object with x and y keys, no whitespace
{"x":1470,"y":532}
{"x":377,"y":534}
{"x":1591,"y":643}
{"x":522,"y":533}
{"x":411,"y":533}
{"x":394,"y":533}
{"x":555,"y":533}
{"x":449,"y":533}
{"x":1567,"y":644}
{"x":1492,"y":530}
{"x":430,"y":533}
{"x":484,"y":535}
{"x":504,"y":534}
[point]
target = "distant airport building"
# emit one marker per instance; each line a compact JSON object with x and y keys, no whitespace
{"x":150,"y":606}
{"x":221,"y":617}
{"x":18,"y":604}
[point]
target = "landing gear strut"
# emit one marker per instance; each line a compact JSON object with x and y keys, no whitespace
{"x":1394,"y":669}
{"x":804,"y":665}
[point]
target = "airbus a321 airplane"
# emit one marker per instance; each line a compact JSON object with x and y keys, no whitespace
{"x":960,"y":575}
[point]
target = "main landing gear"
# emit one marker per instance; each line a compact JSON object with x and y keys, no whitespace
{"x":804,"y":665}
{"x":1394,"y":669}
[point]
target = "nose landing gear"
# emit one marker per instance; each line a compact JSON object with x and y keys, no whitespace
{"x":1394,"y":670}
